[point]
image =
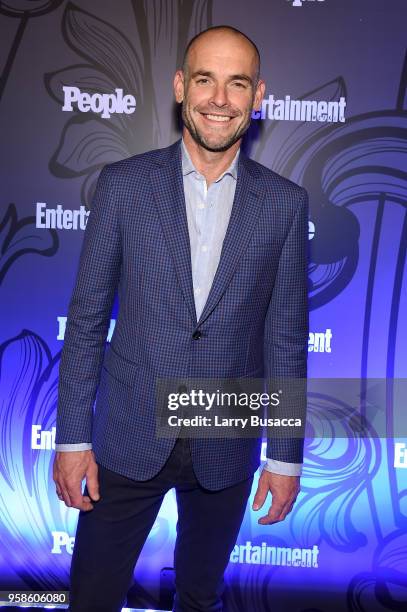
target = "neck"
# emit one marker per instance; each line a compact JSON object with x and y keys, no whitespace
{"x":211,"y":164}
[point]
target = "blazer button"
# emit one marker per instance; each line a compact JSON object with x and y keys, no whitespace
{"x":197,"y":334}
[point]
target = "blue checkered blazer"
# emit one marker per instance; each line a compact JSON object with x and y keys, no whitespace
{"x":254,"y":323}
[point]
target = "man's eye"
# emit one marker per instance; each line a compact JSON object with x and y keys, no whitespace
{"x":202,"y":80}
{"x":239,"y":84}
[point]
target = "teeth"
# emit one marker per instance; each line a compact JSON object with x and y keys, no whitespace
{"x":218,"y":117}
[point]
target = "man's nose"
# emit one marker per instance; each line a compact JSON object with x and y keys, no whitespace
{"x":220,"y":97}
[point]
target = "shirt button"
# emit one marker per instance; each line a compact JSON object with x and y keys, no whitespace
{"x":201,"y":206}
{"x":204,"y":248}
{"x":198,"y":290}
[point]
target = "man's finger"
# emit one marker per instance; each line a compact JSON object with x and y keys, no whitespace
{"x":77,"y":499}
{"x":65,"y":496}
{"x":270,"y":519}
{"x":261,"y":494}
{"x":289,"y":509}
{"x":92,"y":482}
{"x":84,"y":503}
{"x":275,"y":512}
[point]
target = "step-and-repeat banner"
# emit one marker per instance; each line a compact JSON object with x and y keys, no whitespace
{"x":89,"y":82}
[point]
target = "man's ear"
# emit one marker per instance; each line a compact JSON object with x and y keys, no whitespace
{"x":259,"y":95}
{"x":179,"y":86}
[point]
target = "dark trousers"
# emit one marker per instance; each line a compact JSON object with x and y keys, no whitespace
{"x":109,"y":538}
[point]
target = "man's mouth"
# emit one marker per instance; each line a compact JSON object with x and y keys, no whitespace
{"x":220,"y":118}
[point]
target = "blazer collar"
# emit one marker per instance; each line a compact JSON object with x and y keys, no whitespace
{"x":188,"y":166}
{"x":168,"y":189}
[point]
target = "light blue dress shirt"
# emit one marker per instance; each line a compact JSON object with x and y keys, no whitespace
{"x":208,"y":212}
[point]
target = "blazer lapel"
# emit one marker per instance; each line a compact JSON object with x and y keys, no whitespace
{"x":247,"y":204}
{"x":168,"y":188}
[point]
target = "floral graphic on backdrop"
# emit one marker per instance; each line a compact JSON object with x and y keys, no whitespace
{"x":110,"y":60}
{"x":20,"y":237}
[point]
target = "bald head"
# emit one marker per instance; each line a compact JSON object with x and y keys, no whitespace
{"x":218,"y":87}
{"x":222,"y":32}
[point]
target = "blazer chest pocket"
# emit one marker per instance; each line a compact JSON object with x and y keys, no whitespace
{"x":120,"y":368}
{"x":259,"y":251}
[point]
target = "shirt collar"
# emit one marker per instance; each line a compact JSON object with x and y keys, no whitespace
{"x":188,"y":167}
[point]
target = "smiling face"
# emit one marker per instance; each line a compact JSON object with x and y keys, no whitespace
{"x":219,"y":89}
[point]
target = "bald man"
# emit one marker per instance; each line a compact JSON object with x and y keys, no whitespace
{"x":207,"y":251}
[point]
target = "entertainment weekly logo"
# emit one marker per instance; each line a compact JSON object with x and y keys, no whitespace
{"x":400,"y":455}
{"x":103,"y":104}
{"x":318,"y":342}
{"x":76,"y":219}
{"x":61,"y":321}
{"x":289,"y":109}
{"x":60,"y":218}
{"x":248,"y":553}
{"x":44,"y":439}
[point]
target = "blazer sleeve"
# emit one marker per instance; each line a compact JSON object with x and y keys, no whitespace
{"x":286,"y":338}
{"x":89,"y":315}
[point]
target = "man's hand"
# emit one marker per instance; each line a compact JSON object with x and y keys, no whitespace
{"x":69,"y":469}
{"x":284,"y":490}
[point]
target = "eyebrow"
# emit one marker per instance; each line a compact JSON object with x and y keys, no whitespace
{"x":233,"y":77}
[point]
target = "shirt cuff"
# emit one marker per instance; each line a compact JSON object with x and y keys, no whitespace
{"x":81,"y":446}
{"x":283,"y":467}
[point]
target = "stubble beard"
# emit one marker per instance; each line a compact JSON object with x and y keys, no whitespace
{"x":200,"y":139}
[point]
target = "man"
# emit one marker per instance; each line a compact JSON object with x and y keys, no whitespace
{"x":207,"y":250}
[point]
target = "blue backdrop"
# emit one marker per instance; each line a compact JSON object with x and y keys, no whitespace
{"x":87,"y":83}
